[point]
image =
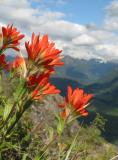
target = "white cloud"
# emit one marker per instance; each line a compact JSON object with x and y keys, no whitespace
{"x":111,"y":20}
{"x":37,"y":20}
{"x":108,"y":52}
{"x":81,"y":41}
{"x":84,"y":39}
{"x":60,"y":29}
{"x":112,"y":9}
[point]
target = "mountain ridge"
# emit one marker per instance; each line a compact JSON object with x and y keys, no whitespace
{"x":85,"y":71}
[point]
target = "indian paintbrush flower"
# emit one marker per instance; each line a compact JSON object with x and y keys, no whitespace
{"x":11,"y":38}
{"x":43,"y":53}
{"x":40,"y":86}
{"x":18,"y":65}
{"x":75,"y":102}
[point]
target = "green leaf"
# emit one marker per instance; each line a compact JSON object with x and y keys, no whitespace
{"x":51,"y":133}
{"x":24,"y":156}
{"x":71,"y":147}
{"x":7,"y":110}
{"x":20,"y":90}
{"x":60,"y":125}
{"x":37,"y":157}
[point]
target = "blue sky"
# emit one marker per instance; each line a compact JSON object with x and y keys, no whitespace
{"x":79,"y":11}
{"x":83,"y":29}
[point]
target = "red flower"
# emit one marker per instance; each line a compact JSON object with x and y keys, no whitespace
{"x":41,"y":86}
{"x":11,"y":37}
{"x":19,"y":65}
{"x":2,"y":61}
{"x":16,"y":63}
{"x":43,"y":53}
{"x":76,"y":101}
{"x":34,"y":80}
{"x":19,"y":61}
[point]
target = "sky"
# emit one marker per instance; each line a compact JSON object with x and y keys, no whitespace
{"x":78,"y":11}
{"x":84,"y":29}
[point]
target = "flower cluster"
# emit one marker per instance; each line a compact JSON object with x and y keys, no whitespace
{"x":36,"y":69}
{"x":9,"y":38}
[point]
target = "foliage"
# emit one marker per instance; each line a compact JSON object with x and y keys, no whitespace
{"x":30,"y":140}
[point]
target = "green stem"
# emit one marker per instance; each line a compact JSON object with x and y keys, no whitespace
{"x":8,"y":117}
{"x":18,"y":116}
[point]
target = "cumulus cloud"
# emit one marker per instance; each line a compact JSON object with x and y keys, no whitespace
{"x":84,"y":40}
{"x":108,"y":52}
{"x":112,"y":9}
{"x":77,"y":40}
{"x":33,"y":19}
{"x":111,"y":20}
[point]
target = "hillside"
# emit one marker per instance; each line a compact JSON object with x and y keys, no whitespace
{"x":94,"y":76}
{"x":87,"y":131}
{"x":105,"y":102}
{"x":87,"y":71}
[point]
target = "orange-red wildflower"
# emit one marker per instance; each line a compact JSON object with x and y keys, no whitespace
{"x":16,"y":63}
{"x":43,"y":53}
{"x":11,"y":37}
{"x":41,"y":86}
{"x":2,"y":61}
{"x":76,"y":101}
{"x":19,"y":65}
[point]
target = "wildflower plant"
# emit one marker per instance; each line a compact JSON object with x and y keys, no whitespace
{"x":32,"y":78}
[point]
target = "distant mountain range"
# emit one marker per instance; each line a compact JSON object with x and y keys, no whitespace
{"x":86,"y":71}
{"x":95,"y":77}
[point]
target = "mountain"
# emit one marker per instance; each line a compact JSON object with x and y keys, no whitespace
{"x":95,"y":77}
{"x":62,"y":84}
{"x":105,"y":94}
{"x":86,"y":71}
